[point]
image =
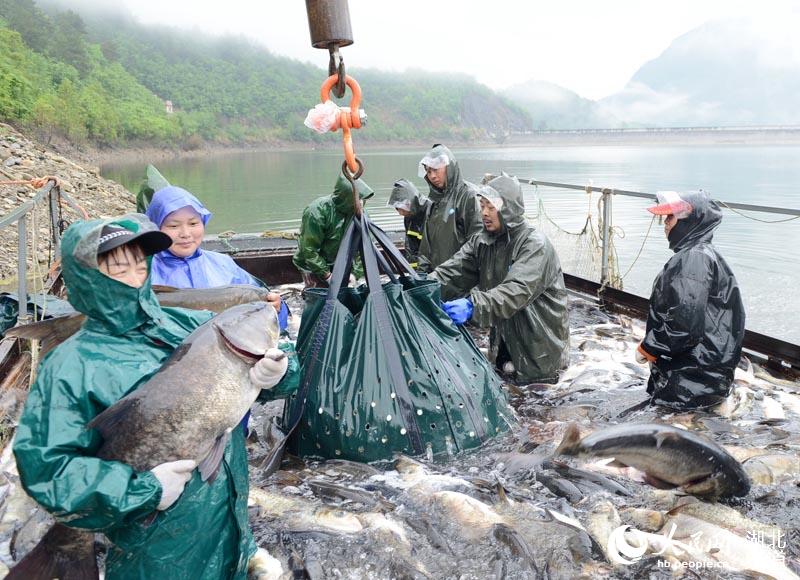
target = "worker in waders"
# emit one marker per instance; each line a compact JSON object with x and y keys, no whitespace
{"x":508,"y":278}
{"x":407,"y":201}
{"x":452,"y":215}
{"x":325,"y":221}
{"x":202,"y":530}
{"x":695,"y":324}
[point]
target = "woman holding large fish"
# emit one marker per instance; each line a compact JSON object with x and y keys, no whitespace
{"x":111,"y":435}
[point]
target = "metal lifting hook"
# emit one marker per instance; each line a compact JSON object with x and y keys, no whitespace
{"x":329,"y":24}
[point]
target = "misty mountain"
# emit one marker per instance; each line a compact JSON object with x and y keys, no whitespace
{"x":554,"y":107}
{"x":90,"y":72}
{"x":726,"y":72}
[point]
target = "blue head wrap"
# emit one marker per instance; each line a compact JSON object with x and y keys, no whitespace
{"x":172,"y":198}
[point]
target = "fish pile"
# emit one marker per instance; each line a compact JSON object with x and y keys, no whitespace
{"x":593,"y":482}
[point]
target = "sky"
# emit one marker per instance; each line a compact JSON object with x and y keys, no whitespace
{"x":592,"y":47}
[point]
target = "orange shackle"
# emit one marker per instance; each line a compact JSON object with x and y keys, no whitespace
{"x":349,"y":117}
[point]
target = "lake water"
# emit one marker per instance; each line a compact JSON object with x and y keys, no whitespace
{"x":257,"y":191}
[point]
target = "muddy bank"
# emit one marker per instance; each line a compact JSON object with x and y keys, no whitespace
{"x":148,"y":154}
{"x":152,"y":154}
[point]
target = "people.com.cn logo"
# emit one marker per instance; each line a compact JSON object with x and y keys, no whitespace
{"x":627,"y":549}
{"x":627,"y":545}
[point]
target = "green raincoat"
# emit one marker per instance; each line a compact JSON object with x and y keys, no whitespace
{"x":452,"y":216}
{"x":324,"y":223}
{"x":514,"y":281}
{"x":152,"y":183}
{"x":125,"y":340}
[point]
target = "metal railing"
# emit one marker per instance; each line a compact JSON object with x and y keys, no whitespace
{"x":606,"y":201}
{"x":641,"y":130}
{"x":18,"y":216}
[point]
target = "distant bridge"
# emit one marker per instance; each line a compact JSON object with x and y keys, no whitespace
{"x":641,"y":130}
{"x":754,"y":134}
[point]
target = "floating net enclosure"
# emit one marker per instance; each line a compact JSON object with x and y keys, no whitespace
{"x":574,"y":226}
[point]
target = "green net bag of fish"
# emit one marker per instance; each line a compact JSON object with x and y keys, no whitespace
{"x":384,"y":368}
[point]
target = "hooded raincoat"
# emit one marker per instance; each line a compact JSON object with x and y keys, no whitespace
{"x":405,"y":194}
{"x":325,"y":221}
{"x":126,"y":338}
{"x":695,"y":325}
{"x":203,"y":269}
{"x":513,"y":278}
{"x":452,"y":216}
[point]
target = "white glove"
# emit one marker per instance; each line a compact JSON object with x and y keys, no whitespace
{"x":269,"y":371}
{"x":173,"y":477}
{"x":262,"y":566}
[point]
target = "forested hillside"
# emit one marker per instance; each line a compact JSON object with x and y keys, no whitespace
{"x":52,"y":79}
{"x":105,"y":80}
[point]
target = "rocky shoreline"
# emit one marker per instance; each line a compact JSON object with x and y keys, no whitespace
{"x":22,"y":158}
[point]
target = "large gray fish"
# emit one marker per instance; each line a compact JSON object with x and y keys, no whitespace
{"x":53,"y":331}
{"x":348,"y":534}
{"x":203,"y":389}
{"x":202,"y":392}
{"x":670,"y":457}
{"x":213,"y":299}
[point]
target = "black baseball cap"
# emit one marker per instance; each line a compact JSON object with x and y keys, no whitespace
{"x":114,"y":236}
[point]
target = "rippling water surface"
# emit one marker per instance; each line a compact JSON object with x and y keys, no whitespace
{"x":251,"y":192}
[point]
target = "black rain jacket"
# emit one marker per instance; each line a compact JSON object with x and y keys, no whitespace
{"x":695,"y":326}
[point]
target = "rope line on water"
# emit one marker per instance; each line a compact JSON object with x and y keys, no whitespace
{"x":641,"y":248}
{"x":755,"y":219}
{"x":592,"y":243}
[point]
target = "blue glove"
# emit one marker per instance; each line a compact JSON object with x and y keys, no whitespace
{"x":283,"y":316}
{"x":459,"y":310}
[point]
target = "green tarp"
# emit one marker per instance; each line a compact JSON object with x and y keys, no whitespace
{"x":152,"y":183}
{"x":384,"y":368}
